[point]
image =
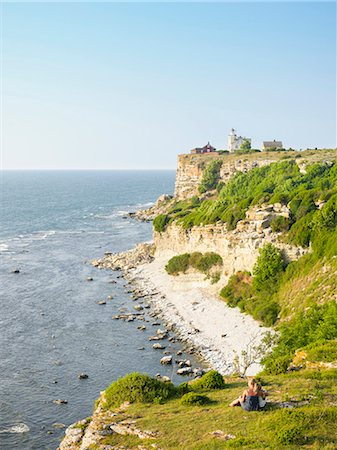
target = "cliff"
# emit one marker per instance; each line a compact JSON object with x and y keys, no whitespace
{"x":190,"y":168}
{"x":239,"y":248}
{"x":303,"y":348}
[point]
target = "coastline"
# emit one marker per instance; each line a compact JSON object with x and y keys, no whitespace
{"x":221,"y":337}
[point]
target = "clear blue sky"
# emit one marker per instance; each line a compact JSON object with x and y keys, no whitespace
{"x":110,"y":85}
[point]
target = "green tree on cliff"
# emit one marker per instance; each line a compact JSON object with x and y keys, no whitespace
{"x":246,"y":145}
{"x":211,"y":177}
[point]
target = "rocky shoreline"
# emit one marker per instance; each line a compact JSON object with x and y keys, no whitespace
{"x":145,"y":296}
{"x":231,"y":348}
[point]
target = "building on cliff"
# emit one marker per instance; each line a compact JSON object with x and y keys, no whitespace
{"x":268,"y":145}
{"x":206,"y":149}
{"x":235,"y":142}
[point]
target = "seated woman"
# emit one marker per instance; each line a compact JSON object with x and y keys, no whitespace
{"x":253,"y":398}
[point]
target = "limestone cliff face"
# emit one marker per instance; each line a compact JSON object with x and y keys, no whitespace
{"x":238,"y":248}
{"x":190,"y":169}
{"x":190,"y":166}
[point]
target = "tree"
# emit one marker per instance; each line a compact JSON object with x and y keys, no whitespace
{"x":268,"y":268}
{"x":210,"y":177}
{"x":246,"y":145}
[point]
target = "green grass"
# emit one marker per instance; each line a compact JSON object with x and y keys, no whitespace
{"x":310,"y":424}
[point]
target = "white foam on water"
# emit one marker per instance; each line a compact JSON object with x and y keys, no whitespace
{"x":144,"y":205}
{"x":19,"y":428}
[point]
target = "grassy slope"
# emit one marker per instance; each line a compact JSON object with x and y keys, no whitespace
{"x":314,"y":395}
{"x":317,"y":285}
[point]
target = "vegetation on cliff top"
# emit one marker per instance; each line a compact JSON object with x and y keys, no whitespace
{"x":279,"y":182}
{"x":308,"y":422}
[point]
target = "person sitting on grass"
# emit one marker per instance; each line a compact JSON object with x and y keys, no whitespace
{"x":253,"y":398}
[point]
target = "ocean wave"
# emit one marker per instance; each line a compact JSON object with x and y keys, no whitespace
{"x":24,"y":240}
{"x":144,"y":205}
{"x":19,"y":428}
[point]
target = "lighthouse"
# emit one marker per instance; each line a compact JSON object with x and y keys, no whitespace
{"x":235,"y":142}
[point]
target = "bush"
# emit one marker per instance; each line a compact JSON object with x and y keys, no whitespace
{"x":268,"y":268}
{"x":193,"y":399}
{"x":201,"y":262}
{"x":160,"y":222}
{"x":238,"y":289}
{"x":204,"y":262}
{"x":210,"y":177}
{"x":325,"y":351}
{"x":183,"y":388}
{"x":240,"y":292}
{"x":210,"y":380}
{"x":275,"y":366}
{"x":279,"y":224}
{"x":136,"y":387}
{"x":317,"y":324}
{"x":177,"y":264}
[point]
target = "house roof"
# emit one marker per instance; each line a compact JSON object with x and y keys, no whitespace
{"x":272,"y":144}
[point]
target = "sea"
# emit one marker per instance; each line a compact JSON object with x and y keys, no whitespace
{"x":53,"y":223}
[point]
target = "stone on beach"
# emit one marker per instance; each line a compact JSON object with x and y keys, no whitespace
{"x":185,"y":371}
{"x":166,"y":360}
{"x":158,"y":347}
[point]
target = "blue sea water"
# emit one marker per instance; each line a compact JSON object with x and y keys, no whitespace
{"x":51,"y":328}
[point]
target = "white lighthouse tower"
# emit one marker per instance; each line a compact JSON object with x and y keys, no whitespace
{"x":232,"y":141}
{"x":235,"y":142}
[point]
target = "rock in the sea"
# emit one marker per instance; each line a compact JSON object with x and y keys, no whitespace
{"x":198,"y":372}
{"x":166,"y":360}
{"x":183,"y":363}
{"x":59,"y":401}
{"x":90,"y":279}
{"x":82,"y":376}
{"x":142,"y":327}
{"x":138,"y":307}
{"x":158,"y":347}
{"x":16,"y":271}
{"x":110,"y":297}
{"x":58,"y":425}
{"x":184,"y":371}
{"x":101,"y":302}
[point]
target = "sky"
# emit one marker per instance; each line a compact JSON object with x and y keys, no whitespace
{"x":132,"y":85}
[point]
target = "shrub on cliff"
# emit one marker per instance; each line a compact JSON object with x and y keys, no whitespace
{"x":177,"y":264}
{"x":199,"y":261}
{"x":210,"y":177}
{"x":279,"y":224}
{"x":160,"y":222}
{"x":238,"y":289}
{"x":204,"y":262}
{"x":136,"y":387}
{"x":316,"y":325}
{"x":261,"y":306}
{"x":268,"y":268}
{"x":194,"y":399}
{"x":210,"y":380}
